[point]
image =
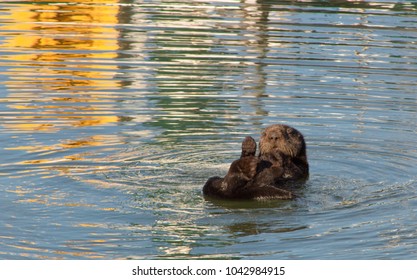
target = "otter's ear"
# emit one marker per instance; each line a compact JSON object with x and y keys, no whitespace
{"x":294,"y":133}
{"x":290,"y":130}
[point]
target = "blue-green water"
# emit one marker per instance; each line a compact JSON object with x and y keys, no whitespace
{"x":114,"y":113}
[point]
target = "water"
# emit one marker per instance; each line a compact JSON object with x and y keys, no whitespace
{"x":113,"y":114}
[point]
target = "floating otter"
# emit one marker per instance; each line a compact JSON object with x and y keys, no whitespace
{"x":282,"y":159}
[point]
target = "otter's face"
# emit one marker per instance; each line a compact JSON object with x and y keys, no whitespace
{"x":283,"y":139}
{"x":248,"y":146}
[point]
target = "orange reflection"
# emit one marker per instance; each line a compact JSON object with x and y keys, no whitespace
{"x":96,"y":140}
{"x":60,"y":70}
{"x":59,"y":49}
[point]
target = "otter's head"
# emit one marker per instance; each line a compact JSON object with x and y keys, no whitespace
{"x":248,"y":147}
{"x":283,"y":139}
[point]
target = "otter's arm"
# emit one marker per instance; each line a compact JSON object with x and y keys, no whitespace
{"x":241,"y":171}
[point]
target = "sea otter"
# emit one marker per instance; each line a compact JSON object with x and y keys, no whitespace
{"x":240,"y":181}
{"x":282,"y":159}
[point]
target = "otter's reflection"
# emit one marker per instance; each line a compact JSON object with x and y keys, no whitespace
{"x":254,"y":228}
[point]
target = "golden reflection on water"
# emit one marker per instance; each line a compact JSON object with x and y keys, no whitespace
{"x":49,"y":49}
{"x":60,"y":68}
{"x":96,"y":140}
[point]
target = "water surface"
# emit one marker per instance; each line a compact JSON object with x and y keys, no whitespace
{"x":114,"y":113}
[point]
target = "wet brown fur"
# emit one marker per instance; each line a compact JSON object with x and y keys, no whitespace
{"x":282,"y":159}
{"x":285,"y":146}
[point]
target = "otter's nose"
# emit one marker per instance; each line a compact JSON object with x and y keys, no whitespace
{"x":273,"y":136}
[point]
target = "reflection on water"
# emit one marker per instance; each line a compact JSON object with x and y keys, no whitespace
{"x":114,"y":113}
{"x":60,"y":70}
